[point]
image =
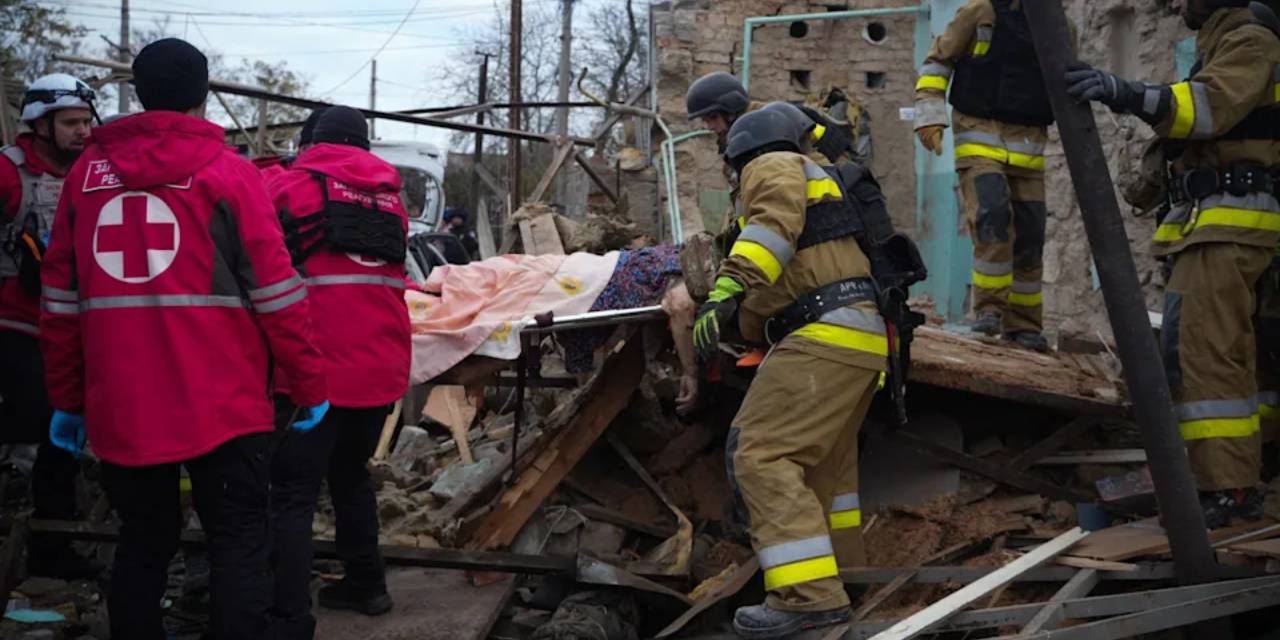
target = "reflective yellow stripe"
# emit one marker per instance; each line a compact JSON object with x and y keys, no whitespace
{"x":184,"y":485}
{"x":931,"y":82}
{"x":742,"y":223}
{"x":1169,"y":233}
{"x":1277,"y":93}
{"x":981,"y":47}
{"x":1000,"y":155}
{"x":1267,"y":411}
{"x":1027,"y":299}
{"x":985,"y":281}
{"x":818,"y":132}
{"x":1243,"y":218}
{"x":798,"y":572}
{"x":760,"y":257}
{"x":846,"y":519}
{"x":816,"y":190}
{"x":1220,"y":428}
{"x":845,"y":337}
{"x":1184,"y":116}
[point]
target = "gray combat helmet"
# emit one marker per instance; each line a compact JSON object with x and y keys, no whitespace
{"x":802,"y":121}
{"x":714,"y":92}
{"x":760,"y":132}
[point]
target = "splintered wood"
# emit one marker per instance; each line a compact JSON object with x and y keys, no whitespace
{"x":1081,"y":383}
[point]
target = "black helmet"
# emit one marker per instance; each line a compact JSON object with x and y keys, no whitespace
{"x":714,"y":92}
{"x":758,"y":133}
{"x":1198,"y":11}
{"x":803,"y":122}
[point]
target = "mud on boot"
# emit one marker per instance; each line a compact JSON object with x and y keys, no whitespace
{"x":1033,"y":340}
{"x":988,"y":323}
{"x":344,"y":596}
{"x":762,"y":622}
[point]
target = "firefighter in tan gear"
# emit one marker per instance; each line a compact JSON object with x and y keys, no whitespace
{"x":1001,"y":114}
{"x":796,"y":433}
{"x":1222,"y":129}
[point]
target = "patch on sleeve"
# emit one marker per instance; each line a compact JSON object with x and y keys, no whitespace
{"x":101,"y":176}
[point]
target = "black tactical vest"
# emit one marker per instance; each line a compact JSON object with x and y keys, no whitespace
{"x":1005,"y":84}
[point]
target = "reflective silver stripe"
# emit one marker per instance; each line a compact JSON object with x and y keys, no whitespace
{"x":993,"y":268}
{"x":979,"y":137}
{"x":1206,"y":409}
{"x":930,"y":113}
{"x":395,"y":283}
{"x":1204,"y":113}
{"x":1256,"y":201}
{"x":813,"y":172}
{"x":281,"y":302}
{"x":127,"y":302}
{"x":68,"y":308}
{"x":1275,"y":73}
{"x":788,"y":552}
{"x":738,"y":207}
{"x":776,"y":244}
{"x":854,"y":318}
{"x":1027,"y":287}
{"x":1269,"y":398}
{"x":936,"y":69}
{"x":1026,"y":147}
{"x":62,"y":295}
{"x":845,"y":502}
{"x":984,"y":33}
{"x":20,"y":326}
{"x":275,"y":289}
{"x":1151,"y":100}
{"x":1178,"y":215}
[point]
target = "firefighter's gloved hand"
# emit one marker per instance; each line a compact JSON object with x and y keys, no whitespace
{"x":720,"y":308}
{"x":311,"y":418}
{"x":66,"y":432}
{"x":931,"y":138}
{"x":1086,"y":84}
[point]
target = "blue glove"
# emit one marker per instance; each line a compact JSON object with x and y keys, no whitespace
{"x":66,"y":432}
{"x":312,"y":418}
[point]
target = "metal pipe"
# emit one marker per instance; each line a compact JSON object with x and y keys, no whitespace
{"x":593,"y":319}
{"x":1136,"y":343}
{"x":748,"y":27}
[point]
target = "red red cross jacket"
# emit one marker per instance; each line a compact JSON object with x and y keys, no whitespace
{"x":19,"y":310}
{"x":357,"y":302}
{"x":167,"y":294}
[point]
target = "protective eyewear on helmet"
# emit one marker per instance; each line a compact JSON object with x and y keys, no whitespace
{"x":51,"y":95}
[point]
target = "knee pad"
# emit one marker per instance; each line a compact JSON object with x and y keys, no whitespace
{"x":994,"y":212}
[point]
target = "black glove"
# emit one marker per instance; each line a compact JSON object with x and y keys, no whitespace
{"x":1087,"y":84}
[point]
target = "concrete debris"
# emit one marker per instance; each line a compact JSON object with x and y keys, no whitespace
{"x":592,"y":615}
{"x":458,"y":477}
{"x":600,"y":234}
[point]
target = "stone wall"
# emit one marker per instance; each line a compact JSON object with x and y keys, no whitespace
{"x":694,"y":37}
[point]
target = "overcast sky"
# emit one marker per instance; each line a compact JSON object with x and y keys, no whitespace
{"x":330,"y":41}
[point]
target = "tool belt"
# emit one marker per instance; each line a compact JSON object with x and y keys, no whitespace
{"x":1238,"y":180}
{"x":809,"y":307}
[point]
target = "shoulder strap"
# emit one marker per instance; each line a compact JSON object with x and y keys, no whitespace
{"x":15,"y":155}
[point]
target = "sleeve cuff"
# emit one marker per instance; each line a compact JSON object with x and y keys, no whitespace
{"x":930,"y":113}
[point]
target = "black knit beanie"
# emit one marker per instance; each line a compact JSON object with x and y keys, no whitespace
{"x":342,"y":125}
{"x":171,"y":75}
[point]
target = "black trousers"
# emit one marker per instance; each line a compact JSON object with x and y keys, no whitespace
{"x":230,"y":489}
{"x":338,"y":450}
{"x":24,"y":417}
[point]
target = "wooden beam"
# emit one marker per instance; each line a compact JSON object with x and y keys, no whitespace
{"x":605,"y":514}
{"x":1051,"y":616}
{"x":939,"y":611}
{"x":609,"y":394}
{"x":548,"y":176}
{"x":614,"y":116}
{"x":495,"y":184}
{"x":1053,"y":443}
{"x":596,"y":178}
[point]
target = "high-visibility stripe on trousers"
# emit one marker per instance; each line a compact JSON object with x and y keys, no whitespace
{"x":1006,"y":214}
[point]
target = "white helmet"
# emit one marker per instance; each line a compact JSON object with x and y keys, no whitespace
{"x":53,"y":92}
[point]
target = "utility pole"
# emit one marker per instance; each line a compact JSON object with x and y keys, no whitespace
{"x":123,"y":87}
{"x":482,"y":96}
{"x":373,"y":96}
{"x":1180,"y":513}
{"x":566,"y":77}
{"x":513,"y":144}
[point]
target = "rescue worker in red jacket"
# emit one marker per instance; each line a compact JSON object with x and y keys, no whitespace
{"x":347,"y":230}
{"x":167,"y":295}
{"x":272,"y":166}
{"x":58,"y":110}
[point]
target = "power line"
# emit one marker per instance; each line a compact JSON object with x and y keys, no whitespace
{"x":375,"y":54}
{"x":319,"y":52}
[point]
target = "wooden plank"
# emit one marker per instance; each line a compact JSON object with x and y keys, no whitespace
{"x":596,"y":177}
{"x":605,"y":514}
{"x":730,"y":587}
{"x":939,"y":611}
{"x":388,"y":430}
{"x":449,"y":405}
{"x":553,"y":169}
{"x":1261,"y":549}
{"x":430,"y":605}
{"x":1051,"y":616}
{"x":491,"y":181}
{"x":1114,"y":456}
{"x":883,"y":594}
{"x":1096,"y":565}
{"x":621,"y":375}
{"x":1146,"y":538}
{"x":1053,"y":443}
{"x":540,"y":236}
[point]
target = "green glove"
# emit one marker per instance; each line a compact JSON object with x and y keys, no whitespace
{"x":720,"y":308}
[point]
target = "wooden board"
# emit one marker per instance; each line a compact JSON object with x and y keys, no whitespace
{"x":1145,"y":538}
{"x":450,"y":406}
{"x":430,"y":604}
{"x":539,"y":236}
{"x":986,"y":366}
{"x":1261,"y":549}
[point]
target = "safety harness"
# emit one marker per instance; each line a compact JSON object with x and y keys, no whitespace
{"x":352,"y":221}
{"x":1001,"y":80}
{"x":23,"y":239}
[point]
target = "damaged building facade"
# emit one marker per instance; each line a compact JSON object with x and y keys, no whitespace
{"x":875,"y":60}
